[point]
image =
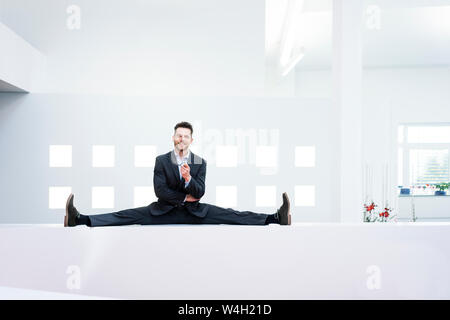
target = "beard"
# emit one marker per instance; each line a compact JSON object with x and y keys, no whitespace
{"x":180,"y":146}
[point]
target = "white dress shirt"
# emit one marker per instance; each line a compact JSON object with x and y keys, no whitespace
{"x":180,"y":162}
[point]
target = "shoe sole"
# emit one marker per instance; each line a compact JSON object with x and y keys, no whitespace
{"x":66,"y":218}
{"x":289,"y":208}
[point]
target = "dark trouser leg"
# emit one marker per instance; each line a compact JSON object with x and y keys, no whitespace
{"x":177,"y":215}
{"x":142,"y":216}
{"x":119,"y":218}
{"x":219,"y":215}
{"x":215,"y":215}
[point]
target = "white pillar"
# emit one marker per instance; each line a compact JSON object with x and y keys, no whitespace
{"x":347,"y":99}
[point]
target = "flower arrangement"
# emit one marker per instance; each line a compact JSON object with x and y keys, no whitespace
{"x":384,"y":213}
{"x":385,"y":216}
{"x":370,"y":215}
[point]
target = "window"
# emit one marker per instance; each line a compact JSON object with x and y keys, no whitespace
{"x":102,"y":197}
{"x":423,"y":154}
{"x":428,"y":165}
{"x":266,"y":196}
{"x":226,"y":196}
{"x":305,"y":196}
{"x":103,"y":156}
{"x":60,"y":156}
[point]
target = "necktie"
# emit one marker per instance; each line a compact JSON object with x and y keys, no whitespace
{"x":183,"y":161}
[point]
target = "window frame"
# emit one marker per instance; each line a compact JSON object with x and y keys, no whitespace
{"x":406,"y":146}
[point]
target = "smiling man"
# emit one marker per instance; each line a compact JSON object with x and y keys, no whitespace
{"x":179,"y":184}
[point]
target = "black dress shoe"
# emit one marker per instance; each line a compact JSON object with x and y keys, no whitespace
{"x":284,"y":212}
{"x":71,"y":213}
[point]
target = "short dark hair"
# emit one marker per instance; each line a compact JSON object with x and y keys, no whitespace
{"x":184,"y":124}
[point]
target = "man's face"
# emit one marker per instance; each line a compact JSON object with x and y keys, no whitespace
{"x":182,"y":139}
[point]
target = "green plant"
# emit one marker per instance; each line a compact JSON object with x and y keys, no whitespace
{"x":442,"y":186}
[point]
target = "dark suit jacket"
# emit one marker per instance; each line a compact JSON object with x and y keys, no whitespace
{"x":170,"y":190}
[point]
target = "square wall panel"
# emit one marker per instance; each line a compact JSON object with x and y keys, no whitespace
{"x":102,"y":197}
{"x":143,"y":196}
{"x":226,"y":196}
{"x":266,"y":156}
{"x":57,"y":197}
{"x":103,"y":156}
{"x":60,"y":156}
{"x":226,"y":156}
{"x":144,"y":156}
{"x":266,"y":196}
{"x":305,"y":156}
{"x":305,"y":196}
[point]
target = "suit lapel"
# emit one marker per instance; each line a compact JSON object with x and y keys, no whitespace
{"x":174,"y":166}
{"x":194,"y":166}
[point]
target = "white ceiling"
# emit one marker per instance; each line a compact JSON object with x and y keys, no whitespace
{"x":415,"y":36}
{"x":326,"y":5}
{"x":412,"y":33}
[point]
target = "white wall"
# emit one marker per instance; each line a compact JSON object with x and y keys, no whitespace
{"x":29,"y":124}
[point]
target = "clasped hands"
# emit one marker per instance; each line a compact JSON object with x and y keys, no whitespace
{"x":186,"y":174}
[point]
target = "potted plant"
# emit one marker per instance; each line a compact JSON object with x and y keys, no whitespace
{"x":442,"y":187}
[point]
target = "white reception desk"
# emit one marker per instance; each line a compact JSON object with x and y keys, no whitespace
{"x":302,"y":261}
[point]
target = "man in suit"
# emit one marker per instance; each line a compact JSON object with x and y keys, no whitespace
{"x":179,"y":183}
